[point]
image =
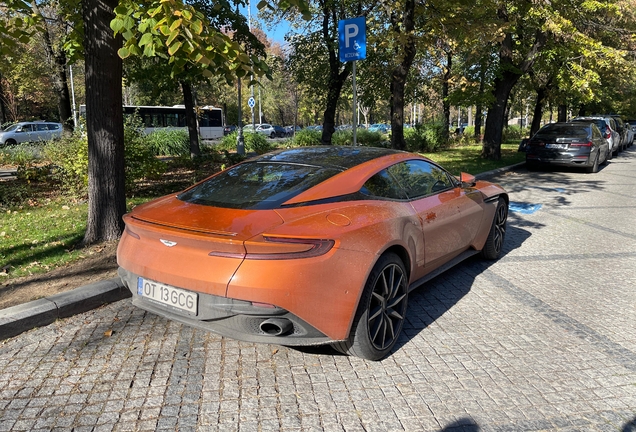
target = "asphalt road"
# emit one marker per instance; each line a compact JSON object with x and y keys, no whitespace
{"x":543,"y":339}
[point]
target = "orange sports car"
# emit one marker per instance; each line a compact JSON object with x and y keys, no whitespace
{"x":307,"y":246}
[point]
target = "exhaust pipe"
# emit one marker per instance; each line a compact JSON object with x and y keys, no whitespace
{"x":276,"y":326}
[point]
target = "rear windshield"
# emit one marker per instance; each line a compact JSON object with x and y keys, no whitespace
{"x":563,"y":131}
{"x":257,"y":185}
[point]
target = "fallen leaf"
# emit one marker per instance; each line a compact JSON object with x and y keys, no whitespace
{"x":108,"y":333}
{"x":274,"y":351}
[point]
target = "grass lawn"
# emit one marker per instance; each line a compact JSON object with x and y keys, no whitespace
{"x":42,"y":229}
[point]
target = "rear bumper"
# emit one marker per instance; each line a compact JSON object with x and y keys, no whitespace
{"x":579,"y":161}
{"x":237,"y":319}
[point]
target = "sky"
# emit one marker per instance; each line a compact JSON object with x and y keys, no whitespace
{"x":276,"y":34}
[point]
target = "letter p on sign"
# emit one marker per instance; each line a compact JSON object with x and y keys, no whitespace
{"x":351,"y":30}
{"x":352,"y":39}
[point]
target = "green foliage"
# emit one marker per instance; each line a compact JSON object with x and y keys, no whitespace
{"x":254,"y":142}
{"x":428,"y":137}
{"x":13,"y":194}
{"x":70,"y":157}
{"x":514,"y":132}
{"x":23,"y":154}
{"x":140,"y":160}
{"x":363,"y":137}
{"x":169,"y":143}
{"x":306,"y":137}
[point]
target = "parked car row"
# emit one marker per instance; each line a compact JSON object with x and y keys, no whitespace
{"x":271,"y":131}
{"x":24,"y":132}
{"x":586,"y":141}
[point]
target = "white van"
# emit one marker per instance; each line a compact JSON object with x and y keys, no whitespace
{"x":21,"y":132}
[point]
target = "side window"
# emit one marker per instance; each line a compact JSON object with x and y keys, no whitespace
{"x":53,"y":126}
{"x":42,"y":127}
{"x":27,"y":128}
{"x":384,"y":186}
{"x":420,"y":178}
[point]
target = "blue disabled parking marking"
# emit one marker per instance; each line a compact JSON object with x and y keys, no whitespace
{"x":561,"y":190}
{"x":524,"y":208}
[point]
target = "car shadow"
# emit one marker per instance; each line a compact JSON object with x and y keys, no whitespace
{"x":440,"y":294}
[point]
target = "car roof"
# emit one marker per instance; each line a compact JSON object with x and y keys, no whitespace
{"x":339,"y":157}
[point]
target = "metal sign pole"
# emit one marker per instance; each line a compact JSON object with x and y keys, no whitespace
{"x":355,"y":105}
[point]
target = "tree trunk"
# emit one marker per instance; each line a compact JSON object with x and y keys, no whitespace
{"x":57,"y":60}
{"x":337,"y":79}
{"x":60,"y":85}
{"x":104,"y":124}
{"x":562,"y":114}
{"x":445,"y":103}
{"x":538,"y":110}
{"x":191,"y":120}
{"x":3,"y":110}
{"x":400,"y":72}
{"x":496,"y":114}
{"x":479,"y":108}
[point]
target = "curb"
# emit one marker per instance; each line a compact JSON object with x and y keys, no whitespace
{"x":487,"y":174}
{"x":42,"y":312}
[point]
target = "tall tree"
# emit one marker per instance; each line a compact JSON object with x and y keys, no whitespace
{"x":104,"y":123}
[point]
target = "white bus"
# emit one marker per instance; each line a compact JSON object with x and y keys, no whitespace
{"x":157,"y":117}
{"x":210,"y":119}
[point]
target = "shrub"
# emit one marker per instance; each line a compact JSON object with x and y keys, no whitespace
{"x":254,"y":142}
{"x":307,"y":137}
{"x":70,"y":157}
{"x":514,"y":133}
{"x":371,"y":139}
{"x":428,"y":137}
{"x":174,"y":142}
{"x":23,"y":154}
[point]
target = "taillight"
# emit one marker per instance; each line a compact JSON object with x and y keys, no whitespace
{"x":608,"y":133}
{"x":587,"y":144}
{"x":279,"y":248}
{"x":276,"y":248}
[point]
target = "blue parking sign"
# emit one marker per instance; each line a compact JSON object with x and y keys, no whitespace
{"x":352,"y":38}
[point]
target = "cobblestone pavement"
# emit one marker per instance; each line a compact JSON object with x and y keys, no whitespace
{"x":543,"y":339}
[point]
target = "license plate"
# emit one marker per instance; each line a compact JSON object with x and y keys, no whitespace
{"x":165,"y":294}
{"x":556,"y":146}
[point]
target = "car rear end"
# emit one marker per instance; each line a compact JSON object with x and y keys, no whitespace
{"x":562,"y":144}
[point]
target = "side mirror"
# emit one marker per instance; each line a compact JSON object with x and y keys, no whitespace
{"x":467,"y":180}
{"x":523,"y":146}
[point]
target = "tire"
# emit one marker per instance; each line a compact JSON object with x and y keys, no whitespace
{"x":273,"y":135}
{"x":607,"y":157}
{"x":10,"y":142}
{"x":381,"y":311}
{"x":494,"y":243}
{"x":594,"y":168}
{"x":532,"y":166}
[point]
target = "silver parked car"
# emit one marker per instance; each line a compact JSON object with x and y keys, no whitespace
{"x":608,"y":128}
{"x":30,"y":132}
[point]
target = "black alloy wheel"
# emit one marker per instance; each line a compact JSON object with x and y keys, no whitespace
{"x":381,"y":312}
{"x":494,"y":243}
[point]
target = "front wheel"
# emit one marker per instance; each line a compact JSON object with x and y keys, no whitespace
{"x":494,"y":243}
{"x":381,"y":312}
